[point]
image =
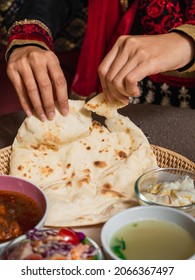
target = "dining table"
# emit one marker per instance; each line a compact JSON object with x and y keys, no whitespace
{"x":169,"y":127}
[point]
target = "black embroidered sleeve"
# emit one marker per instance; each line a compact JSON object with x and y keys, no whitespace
{"x":54,"y":14}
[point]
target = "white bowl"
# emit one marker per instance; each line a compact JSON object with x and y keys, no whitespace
{"x":141,"y":213}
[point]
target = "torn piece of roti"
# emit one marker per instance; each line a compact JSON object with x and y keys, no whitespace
{"x":102,"y":107}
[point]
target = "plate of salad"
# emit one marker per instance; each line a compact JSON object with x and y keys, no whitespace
{"x":52,"y":244}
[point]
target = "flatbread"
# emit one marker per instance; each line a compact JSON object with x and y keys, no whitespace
{"x":86,"y":169}
{"x":100,"y":105}
{"x":39,"y":149}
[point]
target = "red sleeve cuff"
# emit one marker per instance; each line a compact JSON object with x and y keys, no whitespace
{"x":29,"y":32}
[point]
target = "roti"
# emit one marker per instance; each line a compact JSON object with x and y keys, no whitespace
{"x":86,"y":169}
{"x":100,"y":105}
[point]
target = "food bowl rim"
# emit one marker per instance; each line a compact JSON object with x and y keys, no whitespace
{"x":143,"y":199}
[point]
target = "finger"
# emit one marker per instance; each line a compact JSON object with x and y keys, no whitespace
{"x":45,"y":88}
{"x":59,"y":85}
{"x":137,"y":74}
{"x":117,"y":96}
{"x":124,"y":82}
{"x":21,"y":92}
{"x":33,"y":91}
{"x":122,"y":64}
{"x":103,"y":70}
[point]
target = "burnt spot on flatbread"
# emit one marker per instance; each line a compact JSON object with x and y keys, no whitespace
{"x":87,"y":171}
{"x":51,"y":138}
{"x":120,"y":122}
{"x":107,"y":186}
{"x":46,"y":170}
{"x":121,"y":154}
{"x":35,"y":155}
{"x":96,"y":125}
{"x":20,"y":167}
{"x":104,"y":101}
{"x":68,"y":165}
{"x":24,"y":174}
{"x":84,"y":143}
{"x":73,"y":175}
{"x":92,"y":107}
{"x":88,"y":148}
{"x":127,"y":130}
{"x":69,"y":184}
{"x":45,"y":147}
{"x":85,"y":180}
{"x":111,"y":193}
{"x":100,"y":164}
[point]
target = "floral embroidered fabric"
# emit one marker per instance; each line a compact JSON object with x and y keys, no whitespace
{"x":29,"y":32}
{"x":165,"y":94}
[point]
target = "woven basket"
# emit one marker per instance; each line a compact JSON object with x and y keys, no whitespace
{"x":165,"y":158}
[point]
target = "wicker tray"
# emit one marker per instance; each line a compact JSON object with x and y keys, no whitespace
{"x":165,"y":158}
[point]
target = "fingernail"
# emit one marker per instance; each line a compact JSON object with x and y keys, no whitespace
{"x":51,"y":115}
{"x":43,"y":117}
{"x":64,"y":111}
{"x":130,"y":99}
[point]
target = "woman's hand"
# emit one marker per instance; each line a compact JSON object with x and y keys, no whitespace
{"x":38,"y":78}
{"x":132,"y":58}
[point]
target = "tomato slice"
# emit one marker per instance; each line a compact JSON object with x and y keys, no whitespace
{"x":69,"y":236}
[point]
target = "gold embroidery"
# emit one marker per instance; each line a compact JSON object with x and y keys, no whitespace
{"x":29,"y":21}
{"x":5,"y":5}
{"x":124,"y":5}
{"x":24,"y":42}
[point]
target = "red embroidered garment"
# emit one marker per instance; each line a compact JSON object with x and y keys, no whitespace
{"x":159,"y":16}
{"x":30,"y":33}
{"x":106,"y":23}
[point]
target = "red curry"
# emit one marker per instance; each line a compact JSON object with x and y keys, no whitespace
{"x":18,"y":214}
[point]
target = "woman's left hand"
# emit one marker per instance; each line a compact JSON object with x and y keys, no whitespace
{"x":132,"y":58}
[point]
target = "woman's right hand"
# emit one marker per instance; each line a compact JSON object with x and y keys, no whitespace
{"x":38,"y":78}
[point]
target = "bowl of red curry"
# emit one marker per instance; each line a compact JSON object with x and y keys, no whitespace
{"x":23,"y":206}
